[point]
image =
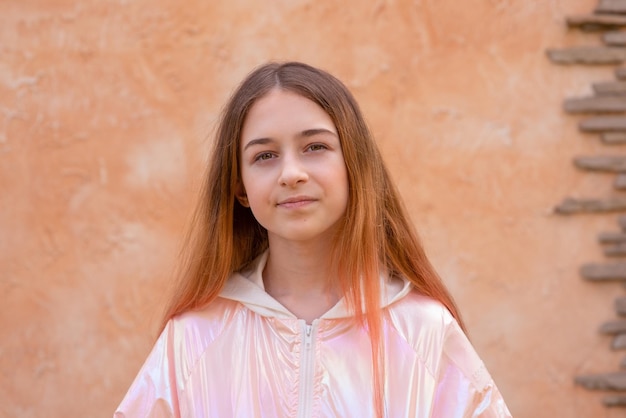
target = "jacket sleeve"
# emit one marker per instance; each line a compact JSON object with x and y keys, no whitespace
{"x":154,"y":392}
{"x":464,"y":387}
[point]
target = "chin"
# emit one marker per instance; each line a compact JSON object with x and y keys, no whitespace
{"x":304,"y":236}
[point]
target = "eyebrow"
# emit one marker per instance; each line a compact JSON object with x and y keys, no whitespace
{"x":312,"y":132}
{"x":258,"y":141}
{"x":304,"y":134}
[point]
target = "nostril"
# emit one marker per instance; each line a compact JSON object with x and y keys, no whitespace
{"x":293,"y":174}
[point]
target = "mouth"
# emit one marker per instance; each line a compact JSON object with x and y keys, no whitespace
{"x":295,"y":202}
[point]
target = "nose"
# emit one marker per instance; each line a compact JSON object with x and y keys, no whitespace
{"x":292,"y":172}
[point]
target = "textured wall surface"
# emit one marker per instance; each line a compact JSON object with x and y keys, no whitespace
{"x":106,"y":110}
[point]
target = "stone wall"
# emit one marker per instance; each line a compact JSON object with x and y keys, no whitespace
{"x":106,"y":112}
{"x":602,"y":113}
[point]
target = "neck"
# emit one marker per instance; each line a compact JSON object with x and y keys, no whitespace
{"x":297,"y":275}
{"x":298,"y":267}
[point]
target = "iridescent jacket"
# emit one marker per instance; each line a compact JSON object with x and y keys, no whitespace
{"x":246,"y":356}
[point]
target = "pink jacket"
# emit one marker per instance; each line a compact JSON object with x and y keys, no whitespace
{"x":245,"y":355}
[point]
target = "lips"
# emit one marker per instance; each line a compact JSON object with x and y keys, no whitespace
{"x":296,"y":201}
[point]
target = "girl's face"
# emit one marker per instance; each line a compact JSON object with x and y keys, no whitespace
{"x":293,"y":174}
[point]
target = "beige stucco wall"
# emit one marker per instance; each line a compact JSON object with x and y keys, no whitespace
{"x":105,"y":108}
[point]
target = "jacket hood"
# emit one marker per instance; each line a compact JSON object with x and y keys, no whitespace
{"x":247,"y":288}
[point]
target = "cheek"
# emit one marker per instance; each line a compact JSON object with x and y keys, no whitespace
{"x":342,"y":185}
{"x":247,"y":181}
{"x":256,"y":191}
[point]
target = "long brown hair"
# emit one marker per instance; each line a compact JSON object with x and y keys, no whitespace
{"x":374,"y":235}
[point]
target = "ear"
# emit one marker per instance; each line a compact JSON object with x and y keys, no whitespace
{"x":241,"y":196}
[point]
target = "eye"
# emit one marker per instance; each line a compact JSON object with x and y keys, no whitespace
{"x":317,"y":147}
{"x":264,"y":156}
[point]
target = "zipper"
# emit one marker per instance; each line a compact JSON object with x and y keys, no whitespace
{"x":307,"y":370}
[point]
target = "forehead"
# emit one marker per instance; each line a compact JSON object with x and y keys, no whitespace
{"x":282,"y":112}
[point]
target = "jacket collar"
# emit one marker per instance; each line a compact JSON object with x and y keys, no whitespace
{"x":247,"y":287}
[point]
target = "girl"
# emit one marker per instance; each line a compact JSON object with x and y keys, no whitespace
{"x":304,"y":290}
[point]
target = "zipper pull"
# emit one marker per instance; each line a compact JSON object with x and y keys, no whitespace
{"x":308,"y":330}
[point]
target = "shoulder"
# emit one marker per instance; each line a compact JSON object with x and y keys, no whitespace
{"x":189,"y":334}
{"x":431,"y":330}
{"x":207,"y":322}
{"x":416,"y":314}
{"x":421,"y":322}
{"x":176,"y":353}
{"x":210,"y":319}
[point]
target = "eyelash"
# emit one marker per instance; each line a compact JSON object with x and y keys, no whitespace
{"x":322,"y":146}
{"x":261,"y":156}
{"x":311,"y":147}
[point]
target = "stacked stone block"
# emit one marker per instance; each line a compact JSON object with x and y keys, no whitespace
{"x":603,"y":114}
